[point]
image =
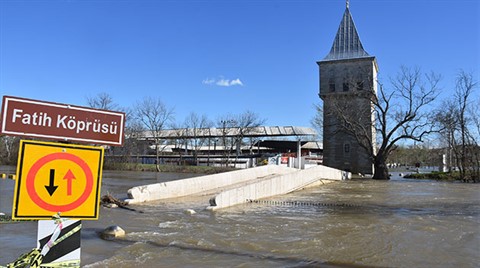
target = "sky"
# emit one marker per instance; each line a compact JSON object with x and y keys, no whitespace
{"x":221,"y":57}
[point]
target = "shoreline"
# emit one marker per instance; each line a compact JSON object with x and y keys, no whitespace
{"x":441,"y":176}
{"x":166,"y":168}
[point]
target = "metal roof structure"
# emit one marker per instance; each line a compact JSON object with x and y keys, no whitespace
{"x":263,"y":145}
{"x":289,"y":145}
{"x":262,"y":131}
{"x":347,"y":44}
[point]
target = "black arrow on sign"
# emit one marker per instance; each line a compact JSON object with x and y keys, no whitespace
{"x":51,"y":187}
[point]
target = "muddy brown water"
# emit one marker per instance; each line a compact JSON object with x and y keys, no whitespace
{"x":356,"y":223}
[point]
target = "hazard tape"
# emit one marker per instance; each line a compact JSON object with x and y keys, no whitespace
{"x":34,"y":258}
{"x":65,"y":236}
{"x":7,"y":176}
{"x":75,"y":263}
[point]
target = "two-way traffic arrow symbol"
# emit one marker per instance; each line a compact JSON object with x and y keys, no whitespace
{"x":51,"y":187}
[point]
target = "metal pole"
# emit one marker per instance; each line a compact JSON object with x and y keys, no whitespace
{"x":299,"y":154}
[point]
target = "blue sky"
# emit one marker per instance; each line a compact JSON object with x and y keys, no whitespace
{"x":217,"y":57}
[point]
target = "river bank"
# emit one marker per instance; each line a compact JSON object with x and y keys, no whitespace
{"x":166,"y":168}
{"x":441,"y":176}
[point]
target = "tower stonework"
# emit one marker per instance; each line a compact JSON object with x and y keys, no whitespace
{"x":348,"y":77}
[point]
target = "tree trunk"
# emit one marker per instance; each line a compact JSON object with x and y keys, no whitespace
{"x":381,"y":169}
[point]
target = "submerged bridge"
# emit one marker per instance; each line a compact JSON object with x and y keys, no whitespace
{"x":238,"y":187}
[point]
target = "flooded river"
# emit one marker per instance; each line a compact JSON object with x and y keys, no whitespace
{"x":357,"y":223}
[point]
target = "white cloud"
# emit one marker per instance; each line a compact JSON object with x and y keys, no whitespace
{"x":236,"y":82}
{"x":208,"y":81}
{"x":222,"y":82}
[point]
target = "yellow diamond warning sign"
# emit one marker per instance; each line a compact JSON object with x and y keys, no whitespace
{"x":56,"y":177}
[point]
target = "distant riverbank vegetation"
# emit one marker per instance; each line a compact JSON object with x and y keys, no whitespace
{"x":167,"y":168}
{"x":441,"y":176}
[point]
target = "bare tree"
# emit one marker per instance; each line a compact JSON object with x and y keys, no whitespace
{"x":102,"y":101}
{"x":227,"y":124}
{"x":9,"y":151}
{"x":460,"y":122}
{"x":181,"y":140}
{"x":105,"y":102}
{"x":401,"y":113}
{"x":466,"y":151}
{"x":134,"y":132}
{"x":475,"y":113}
{"x":446,"y":116}
{"x":154,"y":115}
{"x":234,"y":128}
{"x":247,"y":122}
{"x":197,"y":126}
{"x":317,"y":120}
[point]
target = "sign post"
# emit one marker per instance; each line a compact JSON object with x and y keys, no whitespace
{"x":56,"y":180}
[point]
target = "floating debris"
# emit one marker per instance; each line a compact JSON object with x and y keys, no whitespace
{"x":110,"y":201}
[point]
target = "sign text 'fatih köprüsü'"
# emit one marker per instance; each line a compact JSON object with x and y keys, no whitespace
{"x":33,"y":118}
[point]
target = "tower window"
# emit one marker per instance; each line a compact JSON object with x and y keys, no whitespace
{"x":360,"y":85}
{"x":345,"y":87}
{"x":346,"y":148}
{"x":332,"y":87}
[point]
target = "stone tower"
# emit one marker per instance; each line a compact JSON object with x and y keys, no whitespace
{"x":348,"y":77}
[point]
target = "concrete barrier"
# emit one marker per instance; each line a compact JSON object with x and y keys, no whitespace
{"x":202,"y":184}
{"x":281,"y":184}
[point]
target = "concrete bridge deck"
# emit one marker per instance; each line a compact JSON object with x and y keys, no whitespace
{"x":236,"y":187}
{"x":201,"y":185}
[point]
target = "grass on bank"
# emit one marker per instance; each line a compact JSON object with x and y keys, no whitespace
{"x":167,"y":168}
{"x":440,"y":176}
{"x":8,"y":219}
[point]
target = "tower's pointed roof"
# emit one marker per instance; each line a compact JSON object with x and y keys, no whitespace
{"x":347,"y":43}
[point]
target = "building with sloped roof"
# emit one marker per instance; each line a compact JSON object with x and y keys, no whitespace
{"x":348,"y":76}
